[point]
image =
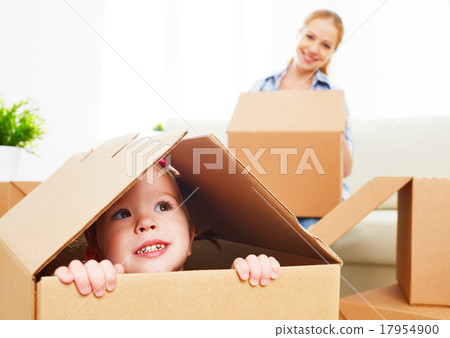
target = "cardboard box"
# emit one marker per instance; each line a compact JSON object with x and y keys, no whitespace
{"x":423,"y":231}
{"x":387,"y":303}
{"x":12,"y":192}
{"x":423,"y":237}
{"x":291,"y":141}
{"x":249,"y":218}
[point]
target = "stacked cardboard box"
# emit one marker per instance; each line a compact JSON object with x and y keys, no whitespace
{"x":422,"y":241}
{"x":34,"y":233}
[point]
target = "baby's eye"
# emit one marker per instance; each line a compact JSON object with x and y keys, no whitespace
{"x":309,"y":36}
{"x":163,"y":206}
{"x":122,"y":213}
{"x":327,"y":46}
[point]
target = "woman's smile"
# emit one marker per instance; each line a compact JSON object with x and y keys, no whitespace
{"x":308,"y":58}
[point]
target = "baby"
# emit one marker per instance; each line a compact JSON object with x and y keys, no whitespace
{"x":147,"y":230}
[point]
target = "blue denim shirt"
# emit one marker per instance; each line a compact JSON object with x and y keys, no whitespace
{"x":320,"y":82}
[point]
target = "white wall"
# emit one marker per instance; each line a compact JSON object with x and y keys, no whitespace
{"x":199,"y":55}
{"x":397,"y":63}
{"x":136,"y":59}
{"x":143,"y":62}
{"x":50,"y":54}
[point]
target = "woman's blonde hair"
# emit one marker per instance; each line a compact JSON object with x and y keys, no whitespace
{"x":337,"y":21}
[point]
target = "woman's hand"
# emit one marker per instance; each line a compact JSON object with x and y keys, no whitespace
{"x":257,"y":270}
{"x":90,"y":276}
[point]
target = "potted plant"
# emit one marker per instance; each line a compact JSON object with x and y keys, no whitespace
{"x":20,"y":128}
{"x":158,"y":127}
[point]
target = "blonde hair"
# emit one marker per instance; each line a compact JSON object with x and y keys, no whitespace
{"x":337,"y":21}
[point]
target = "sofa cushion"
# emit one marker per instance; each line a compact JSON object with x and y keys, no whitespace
{"x":372,"y":241}
{"x":414,"y":146}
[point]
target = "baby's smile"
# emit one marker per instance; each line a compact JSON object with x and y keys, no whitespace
{"x":153,"y":248}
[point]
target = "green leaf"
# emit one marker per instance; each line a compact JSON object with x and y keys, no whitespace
{"x":20,"y":125}
{"x":158,"y":127}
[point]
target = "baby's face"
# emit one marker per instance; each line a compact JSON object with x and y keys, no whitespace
{"x":143,"y":230}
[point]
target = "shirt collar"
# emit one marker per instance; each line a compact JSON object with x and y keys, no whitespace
{"x":319,"y":76}
{"x":278,"y":76}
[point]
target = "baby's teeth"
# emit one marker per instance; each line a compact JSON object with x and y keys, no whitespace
{"x":151,"y":248}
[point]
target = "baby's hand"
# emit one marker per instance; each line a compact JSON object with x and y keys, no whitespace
{"x":91,"y":275}
{"x":260,"y":270}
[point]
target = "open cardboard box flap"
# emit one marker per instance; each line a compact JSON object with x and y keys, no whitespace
{"x":350,"y":212}
{"x":237,"y":206}
{"x":63,"y":206}
{"x":240,"y":208}
{"x":422,"y":232}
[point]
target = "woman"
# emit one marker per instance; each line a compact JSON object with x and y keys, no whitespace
{"x":307,"y":70}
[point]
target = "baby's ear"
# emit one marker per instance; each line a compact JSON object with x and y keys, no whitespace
{"x":91,"y":252}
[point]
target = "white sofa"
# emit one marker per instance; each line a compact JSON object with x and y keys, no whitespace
{"x":416,"y":146}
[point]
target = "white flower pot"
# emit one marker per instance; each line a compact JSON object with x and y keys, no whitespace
{"x":9,"y":163}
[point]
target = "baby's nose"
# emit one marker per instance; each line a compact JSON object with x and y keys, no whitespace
{"x":146,"y":224}
{"x":143,"y":228}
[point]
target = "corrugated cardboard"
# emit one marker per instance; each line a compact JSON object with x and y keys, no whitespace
{"x":423,"y":237}
{"x":423,"y":232}
{"x":12,"y":192}
{"x":248,"y":217}
{"x":387,"y":303}
{"x":349,"y":213}
{"x":286,"y":132}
